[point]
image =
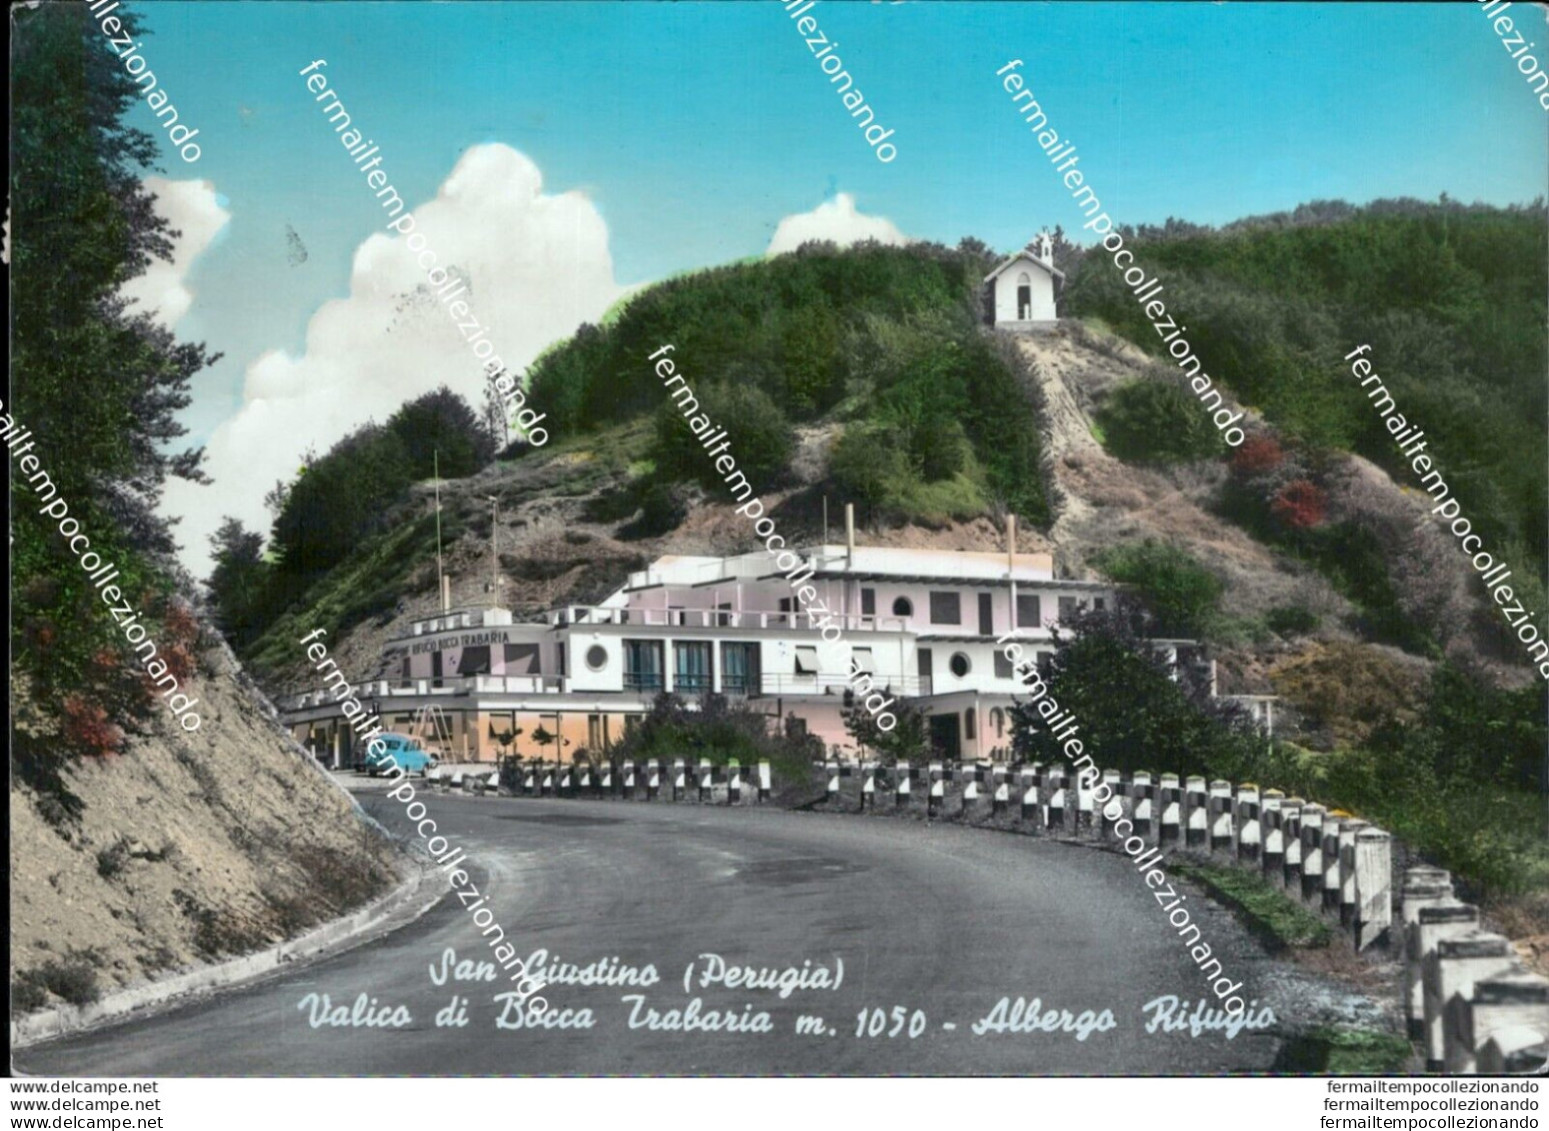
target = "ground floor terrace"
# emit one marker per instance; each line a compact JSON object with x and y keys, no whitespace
{"x":481,"y":728}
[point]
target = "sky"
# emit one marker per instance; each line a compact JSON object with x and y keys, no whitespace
{"x":557,"y":155}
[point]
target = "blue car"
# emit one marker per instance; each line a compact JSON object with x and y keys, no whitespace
{"x":403,"y":750}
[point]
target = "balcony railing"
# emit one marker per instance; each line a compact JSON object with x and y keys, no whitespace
{"x":716,"y":618}
{"x":642,"y":681}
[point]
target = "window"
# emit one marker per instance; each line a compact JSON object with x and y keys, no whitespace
{"x":474,"y":661}
{"x":946,"y":608}
{"x":1029,"y":611}
{"x":691,"y":665}
{"x":959,"y":664}
{"x":998,"y":721}
{"x":785,"y":607}
{"x":643,"y":665}
{"x":1067,"y":609}
{"x":1099,"y":603}
{"x":969,"y":724}
{"x":868,"y":602}
{"x":806,"y":661}
{"x":522,"y":659}
{"x":739,"y":669}
{"x":1003,"y":665}
{"x":596,"y":657}
{"x":723,"y":618}
{"x":903,"y":607}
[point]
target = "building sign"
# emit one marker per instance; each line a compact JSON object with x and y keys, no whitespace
{"x":441,"y":644}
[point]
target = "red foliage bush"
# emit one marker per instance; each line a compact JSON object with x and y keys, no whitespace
{"x":1258,"y":454}
{"x":88,"y":729}
{"x":1300,"y":504}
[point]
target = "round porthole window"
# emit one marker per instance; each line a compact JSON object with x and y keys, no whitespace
{"x":959,"y":664}
{"x":903,"y":607}
{"x":596,"y":657}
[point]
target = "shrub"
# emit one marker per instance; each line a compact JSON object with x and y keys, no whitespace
{"x":1300,"y":505}
{"x":662,"y":508}
{"x":88,"y":730}
{"x":1150,"y":421}
{"x":28,"y":994}
{"x":1257,"y":454}
{"x":75,"y":980}
{"x":1179,"y":592}
{"x":1291,"y":620}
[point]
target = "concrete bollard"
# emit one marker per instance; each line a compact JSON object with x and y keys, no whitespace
{"x":733,"y":782}
{"x":868,"y":785}
{"x":1002,"y":798}
{"x":1083,"y":787}
{"x":1196,"y":815}
{"x":1113,"y":809}
{"x":1027,"y":783}
{"x":1312,"y":852}
{"x":1423,"y":887}
{"x":901,"y":785}
{"x":706,"y":780}
{"x":545,"y":789}
{"x":1373,"y":887}
{"x":1145,"y":805}
{"x":1058,"y":796}
{"x":586,"y":777}
{"x":653,"y":779}
{"x":567,"y":783}
{"x":970,"y":792}
{"x":1250,"y":837}
{"x":938,"y":790}
{"x":1222,"y":824}
{"x":627,"y":775}
{"x":1272,"y":857}
{"x":530,"y":783}
{"x":1444,"y":921}
{"x":832,"y":793}
{"x":1509,"y":1022}
{"x":1171,"y":810}
{"x":1456,"y":966}
{"x":1331,"y":879}
{"x":679,"y":779}
{"x":1347,"y":898}
{"x":1291,"y":826}
{"x":765,"y":783}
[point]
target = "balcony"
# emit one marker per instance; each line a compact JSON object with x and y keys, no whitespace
{"x":642,"y":681}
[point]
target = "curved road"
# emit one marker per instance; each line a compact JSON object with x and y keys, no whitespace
{"x":937,"y":919}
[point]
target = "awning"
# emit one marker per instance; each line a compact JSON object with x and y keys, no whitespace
{"x":806,"y":661}
{"x":863,"y":661}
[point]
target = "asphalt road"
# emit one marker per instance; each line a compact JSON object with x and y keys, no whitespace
{"x":941,"y":921}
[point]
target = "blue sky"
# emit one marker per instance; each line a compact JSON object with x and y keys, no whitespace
{"x":694,"y":128}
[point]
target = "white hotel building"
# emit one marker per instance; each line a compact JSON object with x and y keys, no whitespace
{"x":924,"y":623}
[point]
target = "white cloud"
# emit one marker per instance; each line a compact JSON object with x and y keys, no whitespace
{"x":193,"y":209}
{"x":536,"y":266}
{"x":835,"y":220}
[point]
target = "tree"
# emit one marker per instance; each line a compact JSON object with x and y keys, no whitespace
{"x":438,"y":429}
{"x":237,"y":584}
{"x":497,"y":425}
{"x":100,"y":387}
{"x":1133,"y":713}
{"x":544,"y":738}
{"x":760,"y":436}
{"x":1180,"y":594}
{"x":907,"y":740}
